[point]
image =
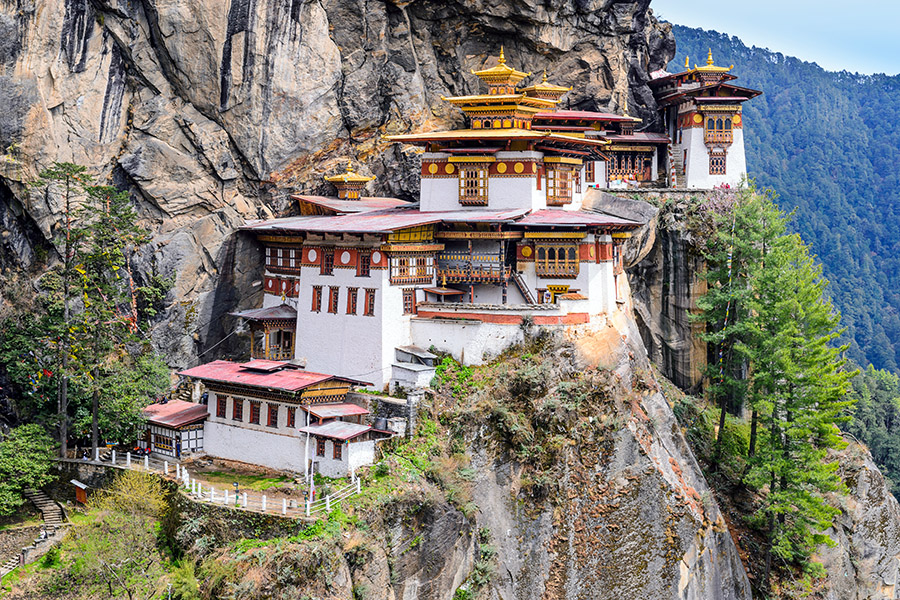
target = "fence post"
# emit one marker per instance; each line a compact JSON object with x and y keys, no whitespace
{"x":307,"y":507}
{"x":177,"y":471}
{"x":244,"y":500}
{"x":264,"y":503}
{"x":225,"y":502}
{"x":166,"y":467}
{"x":113,"y":457}
{"x":97,"y":454}
{"x":358,"y":486}
{"x":212,"y":494}
{"x":328,"y":503}
{"x":200,"y":490}
{"x":146,"y":463}
{"x":284,"y":506}
{"x":128,"y":459}
{"x":185,"y":476}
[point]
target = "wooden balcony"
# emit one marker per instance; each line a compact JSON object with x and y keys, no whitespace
{"x":568,"y":270}
{"x":475,"y":273}
{"x":718,"y":136}
{"x":273,"y":353}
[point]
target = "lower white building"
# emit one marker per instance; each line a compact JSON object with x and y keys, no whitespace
{"x":174,"y":428}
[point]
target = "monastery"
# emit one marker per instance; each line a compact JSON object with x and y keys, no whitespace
{"x":360,"y":291}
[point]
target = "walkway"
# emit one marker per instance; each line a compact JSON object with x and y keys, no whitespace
{"x":53,"y":522}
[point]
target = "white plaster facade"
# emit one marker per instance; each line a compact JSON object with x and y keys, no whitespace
{"x":696,"y":165}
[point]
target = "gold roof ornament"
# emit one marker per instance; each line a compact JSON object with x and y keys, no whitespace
{"x":710,"y":66}
{"x":501,"y":74}
{"x":545,"y":89}
{"x":687,"y":62}
{"x":350,"y":176}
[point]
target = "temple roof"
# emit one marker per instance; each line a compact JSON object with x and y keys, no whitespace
{"x":286,"y":378}
{"x":501,"y":74}
{"x":332,"y":411}
{"x":175,"y":413}
{"x":639,"y":137}
{"x":583,"y":115}
{"x":349,"y":176}
{"x":272,"y":313}
{"x":339,"y":206}
{"x":575,"y":218}
{"x":546,"y":89}
{"x":337,"y":430}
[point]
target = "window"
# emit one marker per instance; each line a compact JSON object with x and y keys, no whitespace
{"x":333,"y":294}
{"x":237,"y":410}
{"x":557,"y":260}
{"x":409,"y":301}
{"x":221,"y":407}
{"x":559,"y":186}
{"x":254,"y":412}
{"x":337,"y":450}
{"x":577,"y":182}
{"x":320,"y":446}
{"x":327,"y":261}
{"x":717,"y":164}
{"x":589,"y":173}
{"x":317,"y":298}
{"x":473,"y":185}
{"x":370,"y":303}
{"x":363,"y":264}
{"x":411,"y":269}
{"x":291,"y":416}
{"x":273,"y":415}
{"x":352,"y":293}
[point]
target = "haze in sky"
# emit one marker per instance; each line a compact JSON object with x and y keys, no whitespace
{"x":856,"y":36}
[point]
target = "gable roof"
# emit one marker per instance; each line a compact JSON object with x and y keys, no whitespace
{"x":175,"y":413}
{"x":285,"y":377}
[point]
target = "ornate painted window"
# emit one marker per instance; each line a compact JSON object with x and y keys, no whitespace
{"x":590,"y":174}
{"x":718,"y":129}
{"x":237,"y":409}
{"x":409,"y":301}
{"x":407,"y":269}
{"x":317,"y":298}
{"x":320,"y":446}
{"x":337,"y":449}
{"x":370,"y":303}
{"x":363,"y":264}
{"x":473,"y":185}
{"x":717,"y":164}
{"x":273,"y":415}
{"x":333,"y":297}
{"x":556,"y":260}
{"x":291,"y":416}
{"x":254,"y":412}
{"x":327,"y":261}
{"x":221,"y":407}
{"x":559,"y":186}
{"x":352,"y":294}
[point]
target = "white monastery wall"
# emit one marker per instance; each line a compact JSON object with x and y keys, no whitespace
{"x":329,"y":466}
{"x":267,"y":448}
{"x":697,"y":165}
{"x":512,"y":193}
{"x":360,"y":454}
{"x":469,"y":342}
{"x":438,"y":194}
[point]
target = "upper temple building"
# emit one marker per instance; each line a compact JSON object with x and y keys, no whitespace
{"x":360,"y":287}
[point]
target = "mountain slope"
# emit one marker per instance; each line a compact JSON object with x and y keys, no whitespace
{"x":829,"y":144}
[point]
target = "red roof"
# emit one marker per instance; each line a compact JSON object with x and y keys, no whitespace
{"x":175,"y":413}
{"x":331,"y":411}
{"x":273,"y":313}
{"x":581,"y":115}
{"x":337,"y":430}
{"x":575,"y":218}
{"x":641,"y":136}
{"x":364,"y":204}
{"x":383,"y":221}
{"x":286,"y":379}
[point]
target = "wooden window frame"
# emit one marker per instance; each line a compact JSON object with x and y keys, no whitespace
{"x":547,"y":263}
{"x":317,"y":298}
{"x":559,"y":186}
{"x":291,"y":417}
{"x":337,"y":450}
{"x":590,"y":172}
{"x":473,"y":184}
{"x":221,"y":407}
{"x":370,"y":303}
{"x":320,"y":446}
{"x":237,"y":410}
{"x":254,"y":412}
{"x":334,"y":295}
{"x":327,"y":264}
{"x":363,"y":264}
{"x":352,"y":295}
{"x":272,"y":415}
{"x":718,"y":163}
{"x":409,"y":301}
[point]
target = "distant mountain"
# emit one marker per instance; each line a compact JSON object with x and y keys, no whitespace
{"x":829,"y":144}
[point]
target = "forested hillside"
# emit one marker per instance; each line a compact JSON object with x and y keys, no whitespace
{"x":829,"y":144}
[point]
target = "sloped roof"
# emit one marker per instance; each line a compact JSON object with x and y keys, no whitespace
{"x":364,"y":204}
{"x":283,"y":311}
{"x":175,"y":413}
{"x":287,"y":379}
{"x":331,"y":411}
{"x":337,"y":430}
{"x":575,"y":218}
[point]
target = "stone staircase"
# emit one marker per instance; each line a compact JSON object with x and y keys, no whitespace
{"x":9,"y":566}
{"x":679,"y":169}
{"x":50,"y":510}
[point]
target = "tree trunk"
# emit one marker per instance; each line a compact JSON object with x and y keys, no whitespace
{"x":753,"y":424}
{"x":95,"y":413}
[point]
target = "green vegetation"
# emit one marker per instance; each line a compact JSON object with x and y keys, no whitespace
{"x":247,"y":481}
{"x":876,"y":420}
{"x":26,"y":461}
{"x":825,"y":141}
{"x":771,"y":328}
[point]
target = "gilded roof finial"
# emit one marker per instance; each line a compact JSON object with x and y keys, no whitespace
{"x":544,"y":78}
{"x":687,"y":64}
{"x":625,"y":109}
{"x":349,"y":166}
{"x":502,"y":59}
{"x":709,"y":59}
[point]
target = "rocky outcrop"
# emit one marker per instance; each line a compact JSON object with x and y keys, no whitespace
{"x":865,"y":562}
{"x":664,"y":270}
{"x":209,"y":112}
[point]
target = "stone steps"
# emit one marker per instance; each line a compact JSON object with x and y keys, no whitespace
{"x":9,"y":566}
{"x":50,"y":510}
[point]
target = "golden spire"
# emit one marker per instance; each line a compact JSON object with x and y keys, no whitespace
{"x":687,"y":64}
{"x":709,"y":59}
{"x":544,"y":78}
{"x":625,"y":108}
{"x":502,"y":59}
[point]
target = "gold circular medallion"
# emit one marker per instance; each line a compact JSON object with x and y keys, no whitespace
{"x":736,"y":119}
{"x":591,"y":251}
{"x":501,"y":168}
{"x":526,"y":251}
{"x":448,"y":169}
{"x":698,"y":118}
{"x":519,"y":167}
{"x":432,"y":168}
{"x":533,"y":168}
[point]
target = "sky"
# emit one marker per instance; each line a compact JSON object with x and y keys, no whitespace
{"x":858,"y":36}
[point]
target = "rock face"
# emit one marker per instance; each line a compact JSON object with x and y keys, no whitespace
{"x":209,"y":112}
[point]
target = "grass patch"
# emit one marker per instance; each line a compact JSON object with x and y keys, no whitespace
{"x":259,"y":483}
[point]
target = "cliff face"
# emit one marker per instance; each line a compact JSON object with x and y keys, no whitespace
{"x":193,"y":104}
